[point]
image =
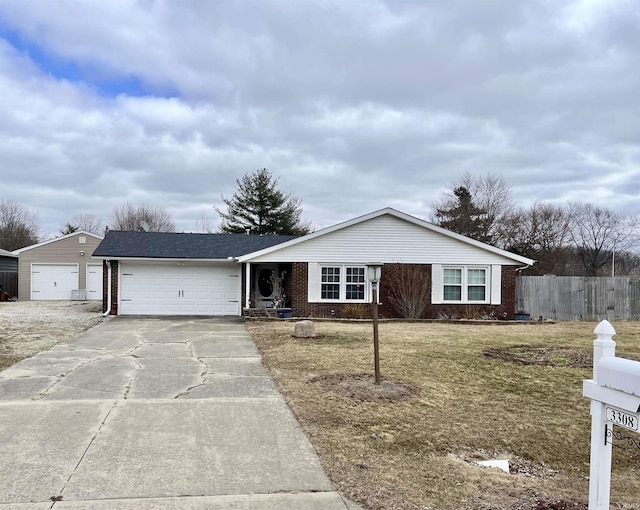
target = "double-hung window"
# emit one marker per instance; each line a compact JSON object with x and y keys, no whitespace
{"x":465,"y":284}
{"x":342,"y":283}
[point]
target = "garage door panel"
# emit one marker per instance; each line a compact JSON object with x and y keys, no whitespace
{"x":53,"y":281}
{"x":94,"y":281}
{"x":168,"y":289}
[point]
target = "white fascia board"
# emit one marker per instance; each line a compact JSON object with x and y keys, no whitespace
{"x":398,"y":214}
{"x":43,"y":243}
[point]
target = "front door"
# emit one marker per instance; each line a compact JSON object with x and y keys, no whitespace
{"x":264,"y":291}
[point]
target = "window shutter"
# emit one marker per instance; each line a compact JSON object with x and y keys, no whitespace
{"x":496,"y":285}
{"x":312,"y":282}
{"x":437,"y":284}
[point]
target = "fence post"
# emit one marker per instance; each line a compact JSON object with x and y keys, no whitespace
{"x":600,"y":463}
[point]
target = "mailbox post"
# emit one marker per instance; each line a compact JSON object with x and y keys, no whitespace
{"x":615,"y":400}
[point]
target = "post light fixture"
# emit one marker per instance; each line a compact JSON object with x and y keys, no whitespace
{"x":374,"y":273}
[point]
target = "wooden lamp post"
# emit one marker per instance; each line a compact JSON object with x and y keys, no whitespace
{"x":374,"y":272}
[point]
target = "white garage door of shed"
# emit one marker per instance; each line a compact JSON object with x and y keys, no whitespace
{"x":94,"y":281}
{"x":169,"y":289}
{"x":53,"y":281}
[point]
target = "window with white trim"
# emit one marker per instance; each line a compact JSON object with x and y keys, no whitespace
{"x":465,"y":284}
{"x":343,"y":283}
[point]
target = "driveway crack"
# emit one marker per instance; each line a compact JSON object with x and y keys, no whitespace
{"x":131,"y":378}
{"x":59,"y":496}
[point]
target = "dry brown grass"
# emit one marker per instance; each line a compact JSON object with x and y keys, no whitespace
{"x":419,"y":452}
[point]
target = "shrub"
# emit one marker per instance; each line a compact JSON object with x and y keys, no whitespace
{"x":354,"y":311}
{"x":409,"y":290}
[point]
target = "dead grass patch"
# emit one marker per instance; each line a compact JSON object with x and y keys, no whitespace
{"x":413,"y":453}
{"x":362,"y":387}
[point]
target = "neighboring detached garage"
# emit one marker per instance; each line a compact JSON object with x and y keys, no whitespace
{"x":60,"y":269}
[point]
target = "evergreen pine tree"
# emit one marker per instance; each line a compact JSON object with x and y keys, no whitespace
{"x":259,"y":207}
{"x":464,"y":217}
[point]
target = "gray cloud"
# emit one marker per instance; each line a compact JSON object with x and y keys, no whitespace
{"x":354,"y":105}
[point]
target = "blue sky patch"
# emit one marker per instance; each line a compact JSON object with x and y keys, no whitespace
{"x":65,"y":69}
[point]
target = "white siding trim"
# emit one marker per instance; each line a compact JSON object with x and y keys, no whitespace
{"x":437,"y":287}
{"x":496,"y":285}
{"x":312,"y":280}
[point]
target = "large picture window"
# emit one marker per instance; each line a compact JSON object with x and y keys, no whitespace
{"x":463,"y":284}
{"x":342,"y":283}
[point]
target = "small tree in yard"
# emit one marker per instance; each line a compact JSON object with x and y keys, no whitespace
{"x":260,"y":208}
{"x":409,"y":289}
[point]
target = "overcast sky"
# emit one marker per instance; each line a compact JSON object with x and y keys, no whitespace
{"x":355,"y":105}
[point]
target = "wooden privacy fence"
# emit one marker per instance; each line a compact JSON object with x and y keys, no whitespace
{"x":584,"y":298}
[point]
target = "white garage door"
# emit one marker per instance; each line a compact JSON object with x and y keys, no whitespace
{"x":169,"y":289}
{"x":94,"y":281}
{"x":53,"y":281}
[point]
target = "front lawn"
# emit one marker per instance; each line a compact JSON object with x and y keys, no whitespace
{"x":452,"y":394}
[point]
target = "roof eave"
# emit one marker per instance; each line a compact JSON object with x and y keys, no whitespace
{"x":228,"y":260}
{"x":55,"y":239}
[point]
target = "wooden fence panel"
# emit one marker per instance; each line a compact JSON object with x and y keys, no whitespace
{"x":579,"y":297}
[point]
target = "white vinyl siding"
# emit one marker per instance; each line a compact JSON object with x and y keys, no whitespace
{"x":386,"y":239}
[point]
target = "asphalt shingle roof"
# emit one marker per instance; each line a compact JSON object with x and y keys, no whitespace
{"x":119,"y":244}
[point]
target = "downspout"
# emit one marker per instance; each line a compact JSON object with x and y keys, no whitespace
{"x":108,"y":288}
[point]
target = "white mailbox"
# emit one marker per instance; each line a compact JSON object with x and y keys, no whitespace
{"x":620,"y":374}
{"x":615,"y":400}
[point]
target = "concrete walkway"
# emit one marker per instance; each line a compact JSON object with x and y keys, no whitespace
{"x":151,"y":413}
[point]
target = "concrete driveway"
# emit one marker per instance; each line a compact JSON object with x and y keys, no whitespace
{"x":152,"y":413}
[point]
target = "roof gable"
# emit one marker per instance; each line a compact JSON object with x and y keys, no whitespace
{"x":170,"y":245}
{"x":376,"y":231}
{"x":56,"y":239}
{"x":5,"y":253}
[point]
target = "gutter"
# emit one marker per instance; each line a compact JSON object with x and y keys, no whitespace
{"x":105,"y":314}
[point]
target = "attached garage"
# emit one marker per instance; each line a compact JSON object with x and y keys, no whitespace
{"x":170,"y":273}
{"x":179,"y":289}
{"x":53,"y":281}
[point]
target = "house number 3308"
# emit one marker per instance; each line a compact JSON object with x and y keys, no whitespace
{"x":626,"y":420}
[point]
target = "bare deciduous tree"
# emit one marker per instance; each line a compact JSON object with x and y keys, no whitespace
{"x":19,"y":226}
{"x":541,"y":232}
{"x":88,"y":223}
{"x":492,"y":202}
{"x":204,"y":224}
{"x":597,"y":233}
{"x":139,"y":217}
